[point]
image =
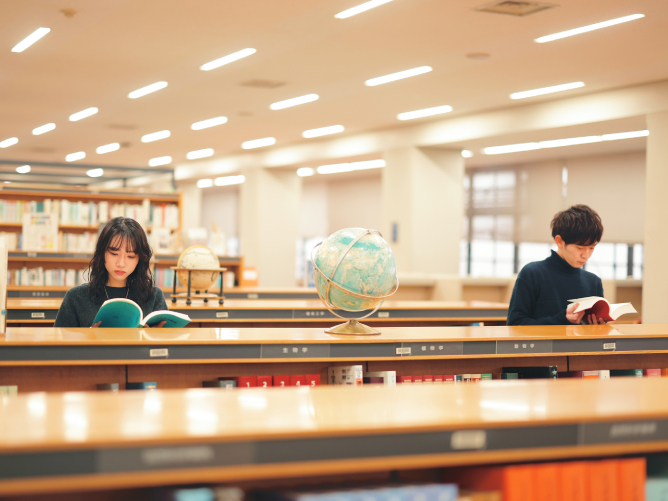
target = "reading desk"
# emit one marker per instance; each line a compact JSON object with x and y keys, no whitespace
{"x":47,"y":359}
{"x":64,"y":442}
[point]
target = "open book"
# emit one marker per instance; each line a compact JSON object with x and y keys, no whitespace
{"x":121,"y":312}
{"x":602,"y":308}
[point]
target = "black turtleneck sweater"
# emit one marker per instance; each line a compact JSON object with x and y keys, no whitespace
{"x":543,"y":288}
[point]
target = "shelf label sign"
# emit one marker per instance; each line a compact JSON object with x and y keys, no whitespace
{"x":159,"y":352}
{"x":468,"y":439}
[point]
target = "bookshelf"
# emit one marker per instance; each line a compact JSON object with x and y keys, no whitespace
{"x":143,"y":439}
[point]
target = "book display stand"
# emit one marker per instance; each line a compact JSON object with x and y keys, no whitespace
{"x":205,"y":296}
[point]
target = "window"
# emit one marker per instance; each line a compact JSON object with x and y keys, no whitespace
{"x":609,"y":261}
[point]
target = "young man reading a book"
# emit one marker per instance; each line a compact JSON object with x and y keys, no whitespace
{"x":543,"y":288}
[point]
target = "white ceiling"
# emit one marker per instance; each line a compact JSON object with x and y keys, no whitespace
{"x":111,"y":48}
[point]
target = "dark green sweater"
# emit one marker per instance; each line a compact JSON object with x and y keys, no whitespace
{"x":543,"y":288}
{"x":77,"y":309}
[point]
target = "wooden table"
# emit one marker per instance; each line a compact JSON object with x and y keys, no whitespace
{"x":65,"y":442}
{"x":288,"y":313}
{"x":42,"y":359}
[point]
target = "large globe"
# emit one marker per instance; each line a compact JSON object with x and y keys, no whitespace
{"x":198,"y":257}
{"x":367,"y":268}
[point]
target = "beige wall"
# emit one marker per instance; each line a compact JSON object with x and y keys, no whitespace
{"x":220,"y":205}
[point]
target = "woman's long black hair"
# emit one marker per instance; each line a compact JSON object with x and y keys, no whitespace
{"x":140,"y":281}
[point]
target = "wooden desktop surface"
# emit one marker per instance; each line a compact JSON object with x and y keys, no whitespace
{"x":167,"y":437}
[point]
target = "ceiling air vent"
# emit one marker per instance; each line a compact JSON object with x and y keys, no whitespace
{"x":262,"y":84}
{"x":515,"y":8}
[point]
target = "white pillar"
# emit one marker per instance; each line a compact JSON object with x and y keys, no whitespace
{"x":269,"y":202}
{"x":191,"y":207}
{"x":423,"y":208}
{"x":655,"y":273}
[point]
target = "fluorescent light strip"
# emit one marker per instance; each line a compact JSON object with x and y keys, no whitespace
{"x":305,"y":172}
{"x":556,"y":143}
{"x":229,"y":180}
{"x":147,"y":90}
{"x":227,"y":59}
{"x":205,"y":183}
{"x":258,"y":143}
{"x":24,"y":169}
{"x":73,"y":157}
{"x":591,"y":27}
{"x":193,"y":155}
{"x":95,"y":172}
{"x":295,"y":101}
{"x":546,"y":90}
{"x":43,"y":129}
{"x":107,"y":148}
{"x":9,"y":142}
{"x":211,"y":122}
{"x":323,"y":131}
{"x":467,"y":153}
{"x":155,"y":136}
{"x":154,"y":162}
{"x":398,"y":76}
{"x":360,"y":8}
{"x":427,"y":112}
{"x":30,"y":39}
{"x":352,"y":166}
{"x":83,"y":114}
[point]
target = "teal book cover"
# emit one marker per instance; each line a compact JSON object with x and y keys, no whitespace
{"x":125,"y":313}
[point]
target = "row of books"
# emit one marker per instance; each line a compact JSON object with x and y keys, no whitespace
{"x":164,"y":278}
{"x":39,"y":276}
{"x":263,"y":381}
{"x":92,"y":213}
{"x":548,"y":372}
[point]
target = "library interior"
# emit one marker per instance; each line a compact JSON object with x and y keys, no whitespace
{"x":239,"y":209}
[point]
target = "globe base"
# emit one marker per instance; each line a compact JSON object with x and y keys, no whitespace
{"x":353,"y":328}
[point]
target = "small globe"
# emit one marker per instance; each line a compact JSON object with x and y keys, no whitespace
{"x":198,"y":257}
{"x":367,"y":268}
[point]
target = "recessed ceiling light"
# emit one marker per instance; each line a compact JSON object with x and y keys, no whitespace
{"x":360,"y":8}
{"x":294,"y":101}
{"x":427,"y":112}
{"x":467,"y":153}
{"x":352,"y":166}
{"x":24,"y":169}
{"x":9,"y":142}
{"x":43,"y":128}
{"x":30,"y":39}
{"x":95,"y":172}
{"x":323,"y":131}
{"x":305,"y":171}
{"x":193,"y":155}
{"x":154,"y":162}
{"x":73,"y":157}
{"x":546,"y":90}
{"x":591,"y":27}
{"x":512,"y":148}
{"x":107,"y":148}
{"x":229,"y":180}
{"x":147,"y":90}
{"x":155,"y":136}
{"x":83,"y":114}
{"x":398,"y":76}
{"x":211,"y":122}
{"x":205,"y":183}
{"x":258,"y":143}
{"x":227,"y":59}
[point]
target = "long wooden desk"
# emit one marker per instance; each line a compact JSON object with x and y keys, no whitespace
{"x":39,"y":359}
{"x":65,"y":442}
{"x":288,"y":313}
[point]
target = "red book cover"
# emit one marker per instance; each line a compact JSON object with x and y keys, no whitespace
{"x":297,"y":380}
{"x":427,"y":379}
{"x":602,"y":480}
{"x":572,"y":481}
{"x":417,"y":379}
{"x":651,"y":372}
{"x":632,"y":475}
{"x":282,"y":381}
{"x":475,"y":378}
{"x":264,"y":381}
{"x":438,"y":378}
{"x":546,"y":482}
{"x":448,"y":378}
{"x":247,"y":381}
{"x":664,"y":372}
{"x":313,"y":379}
{"x":516,"y":482}
{"x":405,"y":379}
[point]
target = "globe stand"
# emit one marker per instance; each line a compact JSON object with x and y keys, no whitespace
{"x":198,"y":295}
{"x":353,"y":328}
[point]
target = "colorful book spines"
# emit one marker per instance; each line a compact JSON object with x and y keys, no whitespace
{"x":263,"y":381}
{"x":144,"y":385}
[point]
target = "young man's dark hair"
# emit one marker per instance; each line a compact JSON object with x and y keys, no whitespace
{"x":543,"y":288}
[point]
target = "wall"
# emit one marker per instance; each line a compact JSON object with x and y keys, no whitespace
{"x":220,"y":205}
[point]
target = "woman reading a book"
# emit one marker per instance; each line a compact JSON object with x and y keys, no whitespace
{"x":119,"y":269}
